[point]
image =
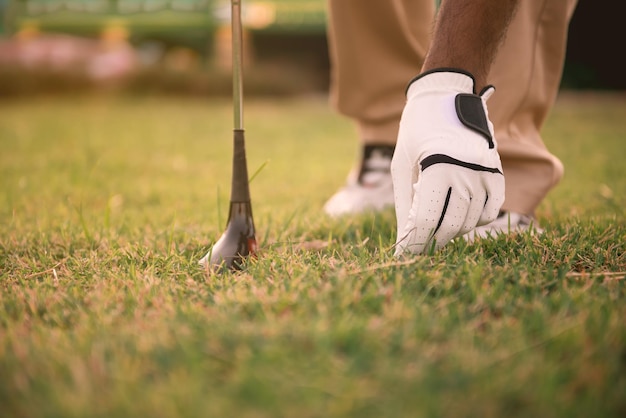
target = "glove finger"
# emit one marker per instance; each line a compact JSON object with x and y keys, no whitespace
{"x":474,"y":212}
{"x":494,"y":185}
{"x":452,"y":219}
{"x":403,"y":179}
{"x":416,"y":233}
{"x":415,"y":236}
{"x":436,"y":215}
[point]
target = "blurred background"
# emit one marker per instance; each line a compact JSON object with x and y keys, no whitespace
{"x":183,"y":47}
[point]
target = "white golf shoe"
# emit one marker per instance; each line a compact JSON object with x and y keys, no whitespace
{"x":505,"y":223}
{"x":369,"y":188}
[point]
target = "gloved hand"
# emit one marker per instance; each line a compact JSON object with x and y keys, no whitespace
{"x":446,"y":171}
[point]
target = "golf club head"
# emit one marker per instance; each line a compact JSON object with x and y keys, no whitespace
{"x":236,"y":244}
{"x":238,"y":241}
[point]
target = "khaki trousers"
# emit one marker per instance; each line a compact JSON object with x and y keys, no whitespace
{"x":376,"y":47}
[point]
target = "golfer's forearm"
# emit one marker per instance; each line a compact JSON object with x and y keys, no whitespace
{"x":467,"y":35}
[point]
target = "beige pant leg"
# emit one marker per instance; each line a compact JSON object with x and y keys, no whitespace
{"x":527,"y":73}
{"x":376,"y":47}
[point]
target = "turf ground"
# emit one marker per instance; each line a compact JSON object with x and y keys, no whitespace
{"x":108,"y":203}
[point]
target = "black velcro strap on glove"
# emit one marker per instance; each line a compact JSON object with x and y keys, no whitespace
{"x":469,"y":109}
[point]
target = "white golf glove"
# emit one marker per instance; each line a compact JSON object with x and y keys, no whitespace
{"x":447,"y":175}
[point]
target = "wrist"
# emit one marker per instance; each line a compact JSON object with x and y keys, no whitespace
{"x":446,"y":78}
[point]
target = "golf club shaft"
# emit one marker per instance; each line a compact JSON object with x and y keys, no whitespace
{"x":237,"y":38}
{"x":240,"y":191}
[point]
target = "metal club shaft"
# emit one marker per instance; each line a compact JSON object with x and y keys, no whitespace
{"x":237,"y":54}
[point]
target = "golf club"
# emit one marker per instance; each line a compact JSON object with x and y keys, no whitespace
{"x":238,"y":241}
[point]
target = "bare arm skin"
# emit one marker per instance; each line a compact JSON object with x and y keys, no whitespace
{"x":467,"y":35}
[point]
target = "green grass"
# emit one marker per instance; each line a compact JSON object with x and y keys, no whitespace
{"x":107,"y":204}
